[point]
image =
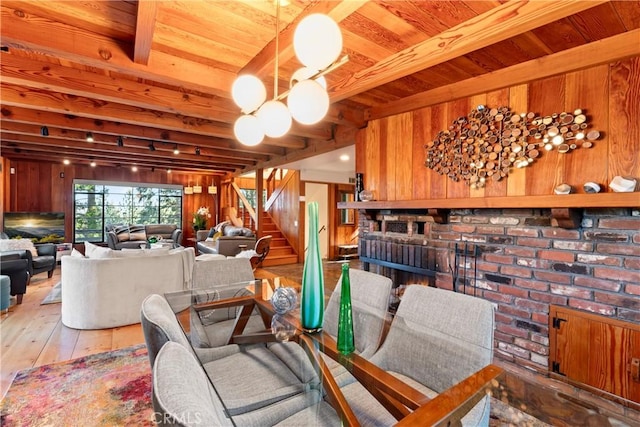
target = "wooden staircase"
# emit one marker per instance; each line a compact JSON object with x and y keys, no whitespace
{"x":280,"y":251}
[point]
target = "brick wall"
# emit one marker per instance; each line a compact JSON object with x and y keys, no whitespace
{"x":524,"y":264}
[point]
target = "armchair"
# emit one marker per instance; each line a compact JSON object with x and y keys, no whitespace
{"x":437,"y":339}
{"x":12,"y":264}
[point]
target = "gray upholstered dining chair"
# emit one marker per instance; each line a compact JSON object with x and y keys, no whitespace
{"x":369,"y":304}
{"x":254,"y":381}
{"x":213,"y":328}
{"x":182,"y":393}
{"x":437,"y":339}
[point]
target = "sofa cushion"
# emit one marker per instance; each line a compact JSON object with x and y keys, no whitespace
{"x":122,"y":232}
{"x":137,"y":232}
{"x":95,"y":251}
{"x":162,"y":230}
{"x":18,"y":244}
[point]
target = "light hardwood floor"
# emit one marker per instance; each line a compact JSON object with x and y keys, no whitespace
{"x":33,"y":335}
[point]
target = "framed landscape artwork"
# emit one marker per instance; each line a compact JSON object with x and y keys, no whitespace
{"x":40,"y":227}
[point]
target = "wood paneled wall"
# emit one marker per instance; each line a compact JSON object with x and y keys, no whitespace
{"x":285,"y":211}
{"x":391,"y":154}
{"x":48,"y":187}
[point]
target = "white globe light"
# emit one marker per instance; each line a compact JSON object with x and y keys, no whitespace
{"x":248,"y":92}
{"x":248,"y":130}
{"x":308,"y":102}
{"x":303,"y":74}
{"x":317,"y":41}
{"x":275,"y":118}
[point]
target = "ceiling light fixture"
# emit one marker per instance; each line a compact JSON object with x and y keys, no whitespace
{"x":89,"y":137}
{"x":176,"y":151}
{"x":197,"y":151}
{"x":317,"y":42}
{"x":66,"y":161}
{"x":44,"y":131}
{"x":168,"y":170}
{"x":120,"y":142}
{"x":92,"y":164}
{"x":151,"y":146}
{"x":134,"y":168}
{"x":344,"y":157}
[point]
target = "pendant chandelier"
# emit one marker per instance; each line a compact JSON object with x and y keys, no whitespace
{"x":317,"y":42}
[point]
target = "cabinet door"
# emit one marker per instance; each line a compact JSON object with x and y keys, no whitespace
{"x":596,"y":351}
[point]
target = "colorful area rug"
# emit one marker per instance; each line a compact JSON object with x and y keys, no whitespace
{"x":54,"y":296}
{"x":105,"y":389}
{"x":114,"y":389}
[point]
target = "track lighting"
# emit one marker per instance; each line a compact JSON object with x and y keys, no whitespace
{"x":44,"y":131}
{"x":152,"y":147}
{"x":120,"y":142}
{"x":197,"y":151}
{"x":89,"y":137}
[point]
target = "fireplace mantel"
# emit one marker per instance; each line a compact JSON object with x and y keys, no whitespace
{"x":566,"y":210}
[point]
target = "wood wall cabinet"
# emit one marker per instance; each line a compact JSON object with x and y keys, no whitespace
{"x":596,"y":351}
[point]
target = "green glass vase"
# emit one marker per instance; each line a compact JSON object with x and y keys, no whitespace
{"x":312,"y":298}
{"x":346,"y":343}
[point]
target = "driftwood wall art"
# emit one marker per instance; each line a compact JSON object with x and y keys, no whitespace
{"x":489,"y":141}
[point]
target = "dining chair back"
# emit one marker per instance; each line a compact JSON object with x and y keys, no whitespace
{"x":182,"y":393}
{"x":369,"y":302}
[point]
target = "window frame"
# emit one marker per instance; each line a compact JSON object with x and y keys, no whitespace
{"x":127,"y":187}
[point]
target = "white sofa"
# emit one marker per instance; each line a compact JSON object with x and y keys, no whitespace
{"x":107,"y":292}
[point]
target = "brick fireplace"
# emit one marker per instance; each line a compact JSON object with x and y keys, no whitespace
{"x":516,"y":259}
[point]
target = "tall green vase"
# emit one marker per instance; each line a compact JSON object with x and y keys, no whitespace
{"x":346,"y":343}
{"x":312,"y":298}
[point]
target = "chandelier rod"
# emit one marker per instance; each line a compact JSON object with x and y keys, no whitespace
{"x":339,"y":63}
{"x":275,"y":74}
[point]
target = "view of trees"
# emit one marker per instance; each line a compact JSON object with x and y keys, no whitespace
{"x":97,"y":205}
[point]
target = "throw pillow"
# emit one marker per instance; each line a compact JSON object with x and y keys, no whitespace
{"x":95,"y":251}
{"x":137,"y":232}
{"x":76,"y":253}
{"x":18,"y":245}
{"x":122,"y":232}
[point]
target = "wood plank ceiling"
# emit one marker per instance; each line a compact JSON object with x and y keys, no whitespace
{"x":159,"y":73}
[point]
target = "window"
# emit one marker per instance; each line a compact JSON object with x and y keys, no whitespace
{"x":100,"y":203}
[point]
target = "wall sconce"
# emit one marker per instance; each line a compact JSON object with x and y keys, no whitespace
{"x":188,"y":189}
{"x":212,"y":189}
{"x":197,"y":189}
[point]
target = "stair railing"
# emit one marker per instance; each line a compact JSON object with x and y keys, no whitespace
{"x":246,"y":205}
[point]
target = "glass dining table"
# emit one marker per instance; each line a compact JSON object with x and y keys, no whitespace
{"x":235,"y":303}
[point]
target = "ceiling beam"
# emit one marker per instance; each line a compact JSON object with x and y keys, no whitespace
{"x":262,"y":64}
{"x":145,"y":24}
{"x":91,"y":108}
{"x":603,"y":51}
{"x":35,"y":34}
{"x":106,"y":143}
{"x":68,"y":121}
{"x":498,"y":24}
{"x":29,"y":155}
{"x":45,"y":75}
